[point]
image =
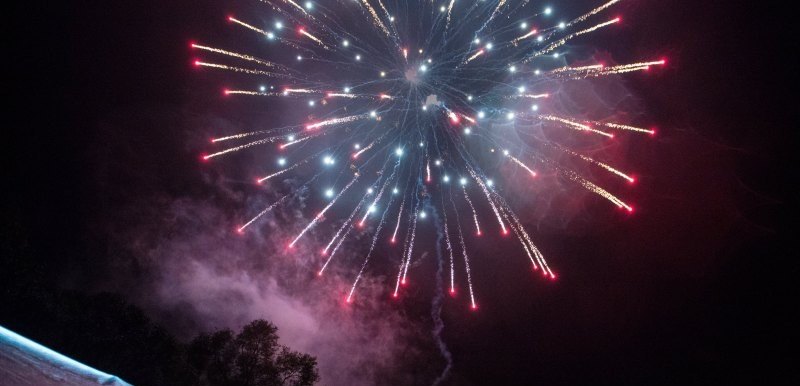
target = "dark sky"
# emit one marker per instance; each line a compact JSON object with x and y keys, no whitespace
{"x":104,"y":101}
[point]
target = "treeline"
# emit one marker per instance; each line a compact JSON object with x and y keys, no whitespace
{"x":109,"y":333}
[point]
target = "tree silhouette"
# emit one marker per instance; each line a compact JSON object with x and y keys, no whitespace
{"x":251,"y":358}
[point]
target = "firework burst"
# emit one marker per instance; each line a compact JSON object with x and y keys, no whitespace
{"x":394,"y":111}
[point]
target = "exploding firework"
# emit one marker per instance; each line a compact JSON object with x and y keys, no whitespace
{"x":398,"y":92}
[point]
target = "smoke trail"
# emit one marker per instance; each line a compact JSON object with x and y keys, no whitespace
{"x":436,"y":303}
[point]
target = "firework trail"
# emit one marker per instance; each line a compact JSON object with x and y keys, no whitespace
{"x":593,"y":12}
{"x":366,"y":259}
{"x":298,"y":140}
{"x":474,"y":56}
{"x":321,"y":214}
{"x":474,"y":213}
{"x":263,"y":212}
{"x":624,"y":127}
{"x":564,"y":40}
{"x":410,"y":247}
{"x":347,"y":224}
{"x":597,"y":190}
{"x":597,"y":70}
{"x":491,"y":17}
{"x":279,"y":172}
{"x":242,"y":147}
{"x":237,"y":55}
{"x":488,"y":198}
{"x":466,"y":258}
{"x":449,"y":248}
{"x":368,"y":147}
{"x":239,"y":69}
{"x":531,"y":96}
{"x":431,"y":98}
{"x":376,"y":20}
{"x":523,"y":37}
{"x":314,"y":38}
{"x":336,"y":121}
{"x":248,"y":92}
{"x":438,"y":299}
{"x":591,"y":67}
{"x":573,"y":124}
{"x":598,"y":163}
{"x":522,"y":165}
{"x":399,"y":219}
{"x":372,"y":206}
{"x":255,"y":133}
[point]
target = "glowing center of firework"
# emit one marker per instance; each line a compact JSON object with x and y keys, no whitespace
{"x":411,"y":76}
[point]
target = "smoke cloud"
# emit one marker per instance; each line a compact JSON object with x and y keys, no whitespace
{"x":197,"y":275}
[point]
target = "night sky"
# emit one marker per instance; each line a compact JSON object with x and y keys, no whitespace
{"x":108,"y":118}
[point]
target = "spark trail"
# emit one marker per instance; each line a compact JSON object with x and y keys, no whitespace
{"x":321,"y":213}
{"x":474,"y":213}
{"x":263,"y":212}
